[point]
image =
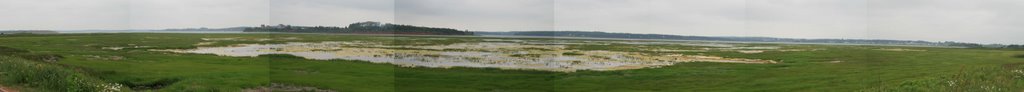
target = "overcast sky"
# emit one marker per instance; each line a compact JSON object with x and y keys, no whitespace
{"x":983,"y":21}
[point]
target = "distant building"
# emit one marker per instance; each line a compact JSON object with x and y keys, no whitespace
{"x":27,"y":32}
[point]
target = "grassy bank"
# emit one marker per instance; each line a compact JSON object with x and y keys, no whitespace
{"x":39,"y":76}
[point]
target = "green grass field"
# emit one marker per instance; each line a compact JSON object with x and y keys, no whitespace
{"x":862,"y":68}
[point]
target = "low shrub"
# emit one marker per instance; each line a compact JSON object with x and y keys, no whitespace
{"x":11,"y":51}
{"x":25,"y":54}
{"x":42,"y":57}
{"x":139,"y":84}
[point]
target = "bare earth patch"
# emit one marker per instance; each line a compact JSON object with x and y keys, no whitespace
{"x":102,"y":57}
{"x":204,"y":43}
{"x":7,"y":89}
{"x":120,"y":48}
{"x":751,"y":51}
{"x":837,"y":61}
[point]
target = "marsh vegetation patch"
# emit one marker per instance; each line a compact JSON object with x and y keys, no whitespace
{"x":504,"y":55}
{"x":149,"y":85}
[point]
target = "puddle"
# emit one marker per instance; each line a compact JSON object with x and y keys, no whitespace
{"x":249,"y":39}
{"x":679,"y":43}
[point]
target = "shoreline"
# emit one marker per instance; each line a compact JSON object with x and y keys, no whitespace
{"x":501,"y":36}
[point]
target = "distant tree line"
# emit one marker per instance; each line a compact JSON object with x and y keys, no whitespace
{"x":968,"y":45}
{"x":996,"y":46}
{"x":207,"y":29}
{"x":1014,"y":46}
{"x":610,"y":35}
{"x":13,"y":32}
{"x":369,"y":27}
{"x":976,"y":45}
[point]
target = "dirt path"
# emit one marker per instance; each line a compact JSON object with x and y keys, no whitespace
{"x":6,"y":89}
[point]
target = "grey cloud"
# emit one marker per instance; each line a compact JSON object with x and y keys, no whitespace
{"x":63,"y":14}
{"x":685,"y":17}
{"x":807,"y":18}
{"x":494,"y":15}
{"x":330,"y":12}
{"x":373,"y":5}
{"x":986,"y":21}
{"x":158,"y":14}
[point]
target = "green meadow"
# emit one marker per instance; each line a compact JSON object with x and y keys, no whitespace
{"x":86,"y":62}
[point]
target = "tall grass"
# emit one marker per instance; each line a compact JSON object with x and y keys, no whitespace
{"x":45,"y":76}
{"x":987,"y":79}
{"x":39,"y":71}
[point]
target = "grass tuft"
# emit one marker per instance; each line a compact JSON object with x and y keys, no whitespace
{"x":572,"y":53}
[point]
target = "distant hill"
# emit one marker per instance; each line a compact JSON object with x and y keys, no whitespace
{"x":9,"y":32}
{"x":369,"y":27}
{"x":590,"y":34}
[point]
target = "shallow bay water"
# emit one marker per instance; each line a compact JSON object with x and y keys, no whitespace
{"x":503,"y":55}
